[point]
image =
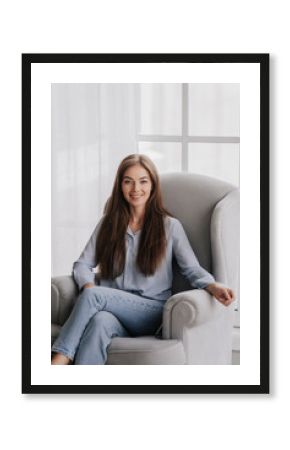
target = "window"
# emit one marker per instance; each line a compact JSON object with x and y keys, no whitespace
{"x":191,"y":128}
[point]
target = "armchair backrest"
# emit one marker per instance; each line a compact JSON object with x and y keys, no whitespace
{"x":192,"y":199}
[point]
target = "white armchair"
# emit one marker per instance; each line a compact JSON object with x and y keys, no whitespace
{"x":196,"y":329}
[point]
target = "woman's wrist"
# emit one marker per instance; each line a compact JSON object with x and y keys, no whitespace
{"x":210,"y":287}
{"x":88,"y":285}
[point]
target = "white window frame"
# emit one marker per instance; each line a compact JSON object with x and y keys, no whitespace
{"x":184,"y":139}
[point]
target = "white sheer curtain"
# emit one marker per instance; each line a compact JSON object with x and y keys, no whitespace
{"x":93,"y":127}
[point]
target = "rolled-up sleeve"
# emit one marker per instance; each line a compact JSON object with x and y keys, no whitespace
{"x":189,"y":266}
{"x":83,"y":268}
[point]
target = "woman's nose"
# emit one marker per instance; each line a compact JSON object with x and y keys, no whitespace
{"x":136,"y":187}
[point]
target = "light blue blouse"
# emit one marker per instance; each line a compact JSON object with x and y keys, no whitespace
{"x":156,"y":286}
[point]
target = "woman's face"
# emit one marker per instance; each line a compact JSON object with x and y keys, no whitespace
{"x":136,"y":185}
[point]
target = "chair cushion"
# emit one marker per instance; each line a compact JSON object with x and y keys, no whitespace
{"x":140,"y":350}
{"x":145,"y":350}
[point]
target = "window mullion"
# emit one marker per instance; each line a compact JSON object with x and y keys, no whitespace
{"x":184,"y":127}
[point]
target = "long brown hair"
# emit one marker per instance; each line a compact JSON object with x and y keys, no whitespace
{"x":111,"y":248}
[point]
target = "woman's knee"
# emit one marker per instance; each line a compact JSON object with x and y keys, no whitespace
{"x":104,"y":318}
{"x":106,"y":321}
{"x":94,"y":296}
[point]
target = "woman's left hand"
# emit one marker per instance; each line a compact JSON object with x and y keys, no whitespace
{"x":223,"y":294}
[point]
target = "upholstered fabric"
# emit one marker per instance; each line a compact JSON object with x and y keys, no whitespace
{"x":63,"y":295}
{"x":145,"y":350}
{"x":196,"y":328}
{"x":225,"y":243}
{"x":55,"y":329}
{"x":192,"y":198}
{"x":202,"y":324}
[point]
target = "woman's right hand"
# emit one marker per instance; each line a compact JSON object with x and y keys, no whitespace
{"x":222,"y":293}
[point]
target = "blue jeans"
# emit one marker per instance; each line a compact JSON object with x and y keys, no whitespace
{"x":101,"y":313}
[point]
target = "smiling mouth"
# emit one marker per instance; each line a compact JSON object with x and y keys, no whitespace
{"x":136,"y":196}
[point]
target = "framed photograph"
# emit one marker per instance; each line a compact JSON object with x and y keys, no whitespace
{"x":145,"y":223}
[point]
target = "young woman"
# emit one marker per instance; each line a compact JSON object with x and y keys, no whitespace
{"x":132,"y":247}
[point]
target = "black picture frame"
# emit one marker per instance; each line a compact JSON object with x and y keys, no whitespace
{"x":263,"y":61}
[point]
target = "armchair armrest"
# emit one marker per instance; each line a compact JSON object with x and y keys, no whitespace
{"x":203,"y":325}
{"x":187,"y":309}
{"x":64,"y":292}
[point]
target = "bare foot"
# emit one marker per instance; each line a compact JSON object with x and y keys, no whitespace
{"x":58,"y":358}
